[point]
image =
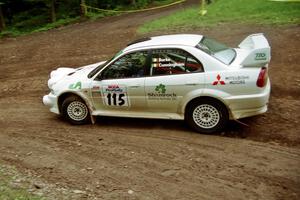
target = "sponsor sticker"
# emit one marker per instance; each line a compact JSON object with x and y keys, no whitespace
{"x":260,"y":56}
{"x":115,"y":95}
{"x":96,"y":87}
{"x":218,"y":81}
{"x":160,"y":93}
{"x":235,"y":80}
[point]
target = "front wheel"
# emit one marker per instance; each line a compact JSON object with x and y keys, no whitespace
{"x":206,"y":115}
{"x":75,"y":110}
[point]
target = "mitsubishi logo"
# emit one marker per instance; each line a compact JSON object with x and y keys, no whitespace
{"x":218,"y":81}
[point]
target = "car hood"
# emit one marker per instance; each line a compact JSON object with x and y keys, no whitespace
{"x":64,"y":72}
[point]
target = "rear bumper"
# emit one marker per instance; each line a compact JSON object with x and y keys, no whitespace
{"x":249,"y":105}
{"x":237,"y":114}
{"x":51,"y":101}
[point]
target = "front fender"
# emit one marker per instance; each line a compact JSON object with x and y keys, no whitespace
{"x":83,"y":94}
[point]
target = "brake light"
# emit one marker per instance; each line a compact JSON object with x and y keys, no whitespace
{"x":262,"y":77}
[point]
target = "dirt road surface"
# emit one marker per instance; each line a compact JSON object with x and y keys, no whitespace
{"x":120,"y":158}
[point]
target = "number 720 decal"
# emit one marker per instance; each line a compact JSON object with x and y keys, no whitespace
{"x":115,"y":95}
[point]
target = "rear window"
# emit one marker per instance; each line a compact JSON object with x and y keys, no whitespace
{"x":217,"y":50}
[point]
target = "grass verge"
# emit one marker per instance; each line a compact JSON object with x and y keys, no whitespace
{"x":10,"y":188}
{"x":233,"y":11}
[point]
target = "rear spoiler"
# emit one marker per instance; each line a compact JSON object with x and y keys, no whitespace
{"x":259,"y":50}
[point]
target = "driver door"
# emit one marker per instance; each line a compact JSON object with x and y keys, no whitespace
{"x":120,"y":86}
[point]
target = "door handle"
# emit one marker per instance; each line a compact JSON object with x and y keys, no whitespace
{"x":191,"y":84}
{"x":134,"y":86}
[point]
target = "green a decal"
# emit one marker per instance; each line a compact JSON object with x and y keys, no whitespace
{"x":75,"y":85}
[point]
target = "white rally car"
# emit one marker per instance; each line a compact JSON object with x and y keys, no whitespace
{"x":182,"y":77}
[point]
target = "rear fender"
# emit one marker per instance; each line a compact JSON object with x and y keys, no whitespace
{"x":216,"y":94}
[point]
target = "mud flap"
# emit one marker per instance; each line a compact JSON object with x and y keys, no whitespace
{"x":90,"y":107}
{"x":242,"y":123}
{"x":93,"y":119}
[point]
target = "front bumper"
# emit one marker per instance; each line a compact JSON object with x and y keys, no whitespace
{"x":51,"y":101}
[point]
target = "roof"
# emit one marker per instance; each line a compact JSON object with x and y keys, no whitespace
{"x":179,"y":39}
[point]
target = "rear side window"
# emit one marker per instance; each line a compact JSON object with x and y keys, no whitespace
{"x":173,"y":61}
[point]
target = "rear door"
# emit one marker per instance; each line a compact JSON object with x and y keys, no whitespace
{"x":173,"y":74}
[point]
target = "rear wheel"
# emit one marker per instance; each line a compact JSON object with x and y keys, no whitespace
{"x":206,"y":115}
{"x":75,"y":110}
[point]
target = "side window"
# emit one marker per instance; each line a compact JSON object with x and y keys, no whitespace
{"x":173,"y":61}
{"x":129,"y":66}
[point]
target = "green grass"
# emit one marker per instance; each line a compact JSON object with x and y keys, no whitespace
{"x":8,"y":192}
{"x":58,"y":23}
{"x":229,"y":11}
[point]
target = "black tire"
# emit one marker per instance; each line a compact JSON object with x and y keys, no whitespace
{"x":75,"y":110}
{"x":206,"y":115}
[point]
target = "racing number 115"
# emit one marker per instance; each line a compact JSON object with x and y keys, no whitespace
{"x":114,"y":99}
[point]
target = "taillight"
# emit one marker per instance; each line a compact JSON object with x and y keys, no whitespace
{"x":262,"y":77}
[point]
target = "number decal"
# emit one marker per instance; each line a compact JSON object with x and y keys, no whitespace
{"x":121,"y":99}
{"x":108,"y":99}
{"x":115,"y":95}
{"x":115,"y":99}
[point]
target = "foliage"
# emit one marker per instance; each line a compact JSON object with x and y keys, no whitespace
{"x":235,"y":11}
{"x":113,"y":4}
{"x":26,"y":16}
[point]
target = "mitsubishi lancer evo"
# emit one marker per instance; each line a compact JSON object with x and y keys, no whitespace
{"x":180,"y":77}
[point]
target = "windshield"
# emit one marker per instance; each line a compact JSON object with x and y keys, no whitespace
{"x":218,"y":50}
{"x":94,"y":71}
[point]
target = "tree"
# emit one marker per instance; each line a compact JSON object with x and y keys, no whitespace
{"x":51,"y":5}
{"x":2,"y":22}
{"x":83,"y":11}
{"x":52,"y":9}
